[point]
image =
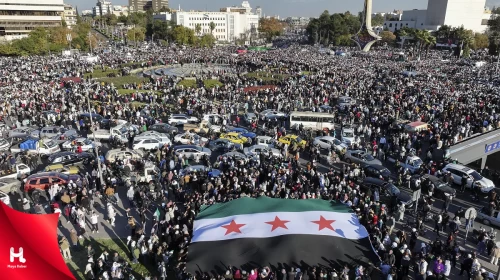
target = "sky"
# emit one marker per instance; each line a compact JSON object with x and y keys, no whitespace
{"x":285,"y":8}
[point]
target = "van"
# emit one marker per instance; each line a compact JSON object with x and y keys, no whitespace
{"x":416,"y":127}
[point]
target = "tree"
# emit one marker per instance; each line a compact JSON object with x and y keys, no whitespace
{"x":136,"y":34}
{"x":332,"y":28}
{"x":378,"y":20}
{"x":388,"y":37}
{"x":197,"y":29}
{"x":183,"y":35}
{"x":212,"y":27}
{"x":207,"y":40}
{"x":481,"y":41}
{"x":161,"y":29}
{"x":270,"y":28}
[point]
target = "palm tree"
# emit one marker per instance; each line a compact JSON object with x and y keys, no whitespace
{"x":429,"y":41}
{"x":212,"y":27}
{"x":197,"y":29}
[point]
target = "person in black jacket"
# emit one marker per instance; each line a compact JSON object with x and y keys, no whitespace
{"x":467,"y":266}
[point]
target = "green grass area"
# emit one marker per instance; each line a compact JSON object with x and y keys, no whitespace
{"x":267,"y":76}
{"x":188,"y":83}
{"x":79,"y":258}
{"x":211,"y":83}
{"x":99,"y":73}
{"x":118,"y":82}
{"x":130,"y":91}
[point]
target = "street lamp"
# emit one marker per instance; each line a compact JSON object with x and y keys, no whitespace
{"x":96,"y":150}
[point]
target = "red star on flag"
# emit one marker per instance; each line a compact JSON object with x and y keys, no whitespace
{"x":277,"y":223}
{"x":232,"y":227}
{"x":324,"y":223}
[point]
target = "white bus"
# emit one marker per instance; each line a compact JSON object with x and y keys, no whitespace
{"x":312,"y":120}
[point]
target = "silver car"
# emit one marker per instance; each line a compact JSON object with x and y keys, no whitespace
{"x":192,"y":151}
{"x":259,"y":149}
{"x":360,"y":157}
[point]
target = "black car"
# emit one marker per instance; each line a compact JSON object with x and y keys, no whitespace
{"x":67,"y":158}
{"x":163,"y":128}
{"x":376,"y":171}
{"x":441,"y":188}
{"x":221,"y":145}
{"x":386,"y":191}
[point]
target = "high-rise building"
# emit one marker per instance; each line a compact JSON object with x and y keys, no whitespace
{"x":102,"y":8}
{"x":139,"y":5}
{"x":19,"y":17}
{"x":69,"y":16}
{"x":159,"y":4}
{"x":258,"y":11}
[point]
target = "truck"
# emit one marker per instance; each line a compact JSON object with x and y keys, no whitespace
{"x":120,"y":132}
{"x":202,"y":128}
{"x":43,"y":147}
{"x":17,"y":171}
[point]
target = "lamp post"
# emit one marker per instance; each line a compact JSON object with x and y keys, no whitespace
{"x":93,"y":134}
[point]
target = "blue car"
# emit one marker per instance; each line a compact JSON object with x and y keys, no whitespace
{"x":243,"y":132}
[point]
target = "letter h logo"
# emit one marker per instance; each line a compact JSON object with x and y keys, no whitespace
{"x":18,"y":255}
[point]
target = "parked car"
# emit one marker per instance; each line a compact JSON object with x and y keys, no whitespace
{"x":386,"y":191}
{"x":489,"y":216}
{"x":53,"y":131}
{"x":221,"y":145}
{"x":85,"y":143}
{"x":4,"y":197}
{"x":348,"y":136}
{"x":377,"y":171}
{"x":149,"y":142}
{"x":62,"y":169}
{"x":180,"y":119}
{"x":235,"y":138}
{"x":441,"y":188}
{"x":259,"y":149}
{"x":189,"y":138}
{"x":250,"y":117}
{"x":237,"y":156}
{"x":458,"y":171}
{"x":121,"y":154}
{"x":67,"y":158}
{"x":192,"y":151}
{"x":4,"y":145}
{"x":327,"y":142}
{"x":10,"y":185}
{"x":270,"y":114}
{"x":290,"y":139}
{"x":21,"y":131}
{"x":163,"y":128}
{"x":43,"y":180}
{"x":243,"y":132}
{"x":360,"y":157}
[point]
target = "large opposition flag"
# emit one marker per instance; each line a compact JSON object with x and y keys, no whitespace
{"x":251,"y":233}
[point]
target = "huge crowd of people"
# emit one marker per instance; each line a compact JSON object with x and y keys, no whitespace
{"x":455,"y":98}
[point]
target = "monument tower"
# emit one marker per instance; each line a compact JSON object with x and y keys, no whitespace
{"x":365,"y":37}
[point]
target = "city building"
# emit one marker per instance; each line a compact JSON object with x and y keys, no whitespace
{"x":159,"y":4}
{"x":102,"y":8}
{"x":19,"y":17}
{"x":120,"y":10}
{"x":69,"y":16}
{"x":470,"y":14}
{"x":163,"y":16}
{"x":258,"y":11}
{"x":297,"y":22}
{"x":231,"y":23}
{"x":87,"y":13}
{"x":139,"y":5}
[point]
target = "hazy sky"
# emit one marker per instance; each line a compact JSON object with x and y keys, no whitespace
{"x":284,"y":8}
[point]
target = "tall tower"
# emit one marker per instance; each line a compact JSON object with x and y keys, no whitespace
{"x":365,"y":37}
{"x":258,"y":11}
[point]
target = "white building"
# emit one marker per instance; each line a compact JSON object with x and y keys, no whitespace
{"x":120,"y":10}
{"x":163,"y":16}
{"x":19,"y":17}
{"x":230,"y":23}
{"x":87,"y":13}
{"x":102,"y":8}
{"x":467,"y":13}
{"x":69,"y":15}
{"x":297,"y":21}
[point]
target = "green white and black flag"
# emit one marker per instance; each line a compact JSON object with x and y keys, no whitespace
{"x":251,"y":233}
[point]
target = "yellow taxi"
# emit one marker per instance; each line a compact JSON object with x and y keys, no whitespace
{"x":290,"y":139}
{"x":63,"y":169}
{"x":234,"y":137}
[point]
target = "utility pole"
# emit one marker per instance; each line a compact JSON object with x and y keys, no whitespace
{"x":90,"y":45}
{"x":93,"y":134}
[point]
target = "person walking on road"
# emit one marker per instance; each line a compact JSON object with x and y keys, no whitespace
{"x":94,"y":221}
{"x":495,"y":255}
{"x":437,"y":225}
{"x":111,"y":214}
{"x":65,"y":248}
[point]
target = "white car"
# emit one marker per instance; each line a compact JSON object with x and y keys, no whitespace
{"x":327,"y":142}
{"x":153,"y":133}
{"x":457,"y":171}
{"x":85,"y":143}
{"x":269,"y":114}
{"x":21,"y":131}
{"x":348,"y":137}
{"x":162,"y":138}
{"x":189,"y":139}
{"x":4,"y":145}
{"x":148,"y":143}
{"x":259,"y":149}
{"x":178,"y":119}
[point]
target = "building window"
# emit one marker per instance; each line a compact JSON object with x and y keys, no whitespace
{"x":390,"y":24}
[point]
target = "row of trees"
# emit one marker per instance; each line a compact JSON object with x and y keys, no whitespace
{"x":42,"y":41}
{"x":333,"y":29}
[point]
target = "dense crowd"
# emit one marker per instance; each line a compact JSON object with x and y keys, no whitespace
{"x":457,"y":100}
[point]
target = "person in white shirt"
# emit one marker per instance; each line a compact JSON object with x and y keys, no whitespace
{"x":94,"y":221}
